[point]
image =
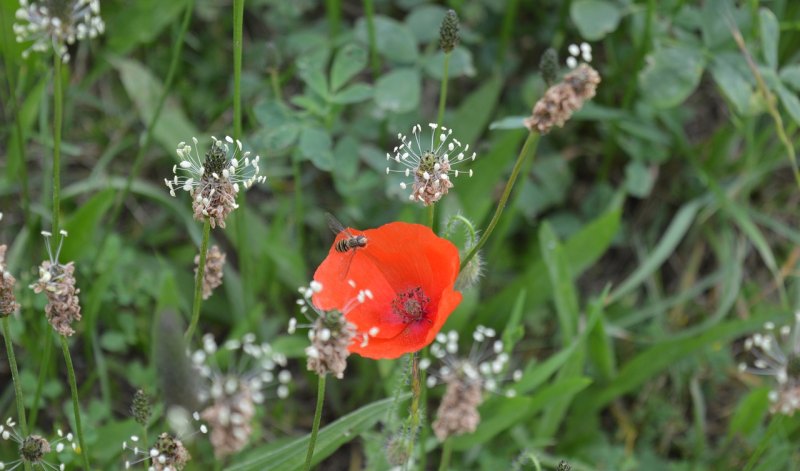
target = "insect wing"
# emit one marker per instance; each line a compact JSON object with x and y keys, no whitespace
{"x":337,"y":226}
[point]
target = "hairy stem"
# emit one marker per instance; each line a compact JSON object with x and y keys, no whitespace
{"x":58,"y":111}
{"x":317,"y":418}
{"x":416,"y":388}
{"x":198,"y":280}
{"x":528,"y":150}
{"x":73,"y":386}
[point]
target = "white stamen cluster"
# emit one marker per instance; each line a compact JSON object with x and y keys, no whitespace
{"x":214,"y":181}
{"x":57,"y":24}
{"x":57,"y":282}
{"x":34,"y":448}
{"x":776,"y":353}
{"x":486,"y":364}
{"x":584,"y":51}
{"x":429,"y":166}
{"x":166,"y":454}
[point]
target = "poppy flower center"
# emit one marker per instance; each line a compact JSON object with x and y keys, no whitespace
{"x":411,"y":305}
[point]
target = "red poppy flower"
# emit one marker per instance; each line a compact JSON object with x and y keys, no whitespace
{"x":410,"y":272}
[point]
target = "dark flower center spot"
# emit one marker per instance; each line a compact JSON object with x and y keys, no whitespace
{"x":411,"y":305}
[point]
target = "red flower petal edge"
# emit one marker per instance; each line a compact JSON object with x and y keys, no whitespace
{"x":410,"y":272}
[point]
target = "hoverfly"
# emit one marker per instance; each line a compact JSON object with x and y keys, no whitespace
{"x":351,"y":243}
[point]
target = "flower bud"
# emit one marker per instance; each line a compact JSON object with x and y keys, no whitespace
{"x":548,"y":65}
{"x":448,"y":32}
{"x":141,"y":408}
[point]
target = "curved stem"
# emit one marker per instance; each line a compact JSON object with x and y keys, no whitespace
{"x":73,"y":386}
{"x":447,"y":451}
{"x":528,"y":149}
{"x":58,"y":111}
{"x":317,"y":418}
{"x":43,"y":370}
{"x":12,"y":362}
{"x":198,"y":280}
{"x":148,"y":135}
{"x":443,"y":89}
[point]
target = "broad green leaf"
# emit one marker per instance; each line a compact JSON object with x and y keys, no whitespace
{"x":666,"y":246}
{"x":749,"y":412}
{"x":424,"y":21}
{"x":475,"y":112}
{"x":354,"y":93}
{"x":350,"y":60}
{"x":84,"y":224}
{"x":790,"y":75}
{"x":144,"y":89}
{"x":601,"y":349}
{"x":566,"y":298}
{"x":595,"y":18}
{"x":29,"y":111}
{"x":291,"y":456}
{"x":639,"y":180}
{"x":399,"y":90}
{"x":513,"y":331}
{"x":316,"y":146}
{"x":770,"y":34}
{"x":790,"y":101}
{"x":502,"y":413}
{"x":729,"y":71}
{"x":671,"y":75}
{"x":460,"y":64}
{"x":393,"y":39}
{"x":131,"y":23}
{"x":509,"y":122}
{"x":310,"y":68}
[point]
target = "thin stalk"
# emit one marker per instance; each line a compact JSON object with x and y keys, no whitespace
{"x":58,"y":111}
{"x":43,"y":370}
{"x":443,"y":89}
{"x":431,"y":215}
{"x":416,"y":387}
{"x":423,"y":432}
{"x":241,"y":214}
{"x":334,"y":10}
{"x":374,"y":61}
{"x":447,"y":451}
{"x":317,"y":418}
{"x":148,"y":135}
{"x":73,"y":386}
{"x":276,"y":85}
{"x":12,"y":362}
{"x":298,"y":202}
{"x":528,"y":150}
{"x":198,"y":280}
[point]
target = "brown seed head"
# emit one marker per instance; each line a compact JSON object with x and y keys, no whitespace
{"x":8,"y":302}
{"x":172,"y":455}
{"x":331,"y":335}
{"x":33,"y":448}
{"x":212,"y":276}
{"x":57,"y":282}
{"x":230,"y":417}
{"x":563,"y":99}
{"x":458,"y":411}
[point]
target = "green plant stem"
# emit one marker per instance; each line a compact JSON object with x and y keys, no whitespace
{"x":148,"y":134}
{"x":528,"y":150}
{"x":198,"y":280}
{"x":415,"y":401}
{"x":274,"y":80}
{"x":447,"y":451}
{"x":43,"y":370}
{"x":58,"y":111}
{"x":333,"y":9}
{"x":374,"y":61}
{"x":423,"y":432}
{"x":443,"y":89}
{"x":431,"y":215}
{"x":73,"y":386}
{"x":12,"y":363}
{"x":317,"y":418}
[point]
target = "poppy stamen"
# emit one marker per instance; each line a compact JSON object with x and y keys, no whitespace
{"x":411,"y":305}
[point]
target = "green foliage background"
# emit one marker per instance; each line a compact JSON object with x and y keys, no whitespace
{"x":650,"y":235}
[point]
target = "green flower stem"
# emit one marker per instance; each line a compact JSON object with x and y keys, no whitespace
{"x":58,"y":112}
{"x":416,"y":388}
{"x":317,"y":418}
{"x":148,"y":135}
{"x":240,"y":215}
{"x":528,"y":150}
{"x":447,"y":451}
{"x":443,"y":89}
{"x":333,"y":9}
{"x":73,"y":386}
{"x":423,"y":432}
{"x":43,"y":370}
{"x":431,"y":215}
{"x":198,"y":281}
{"x":374,"y":61}
{"x":12,"y":362}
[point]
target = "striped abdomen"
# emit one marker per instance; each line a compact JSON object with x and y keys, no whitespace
{"x":350,"y":243}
